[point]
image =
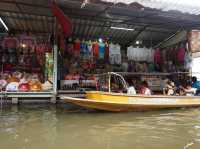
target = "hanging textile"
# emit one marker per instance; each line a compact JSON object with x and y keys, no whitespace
{"x":157,"y":57}
{"x":95,"y":50}
{"x":101,"y":50}
{"x":181,"y":55}
{"x":77,"y":47}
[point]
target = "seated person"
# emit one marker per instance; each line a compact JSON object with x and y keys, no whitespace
{"x":189,"y":90}
{"x":144,"y":90}
{"x":169,"y":89}
{"x":131,"y":89}
{"x":196,"y":84}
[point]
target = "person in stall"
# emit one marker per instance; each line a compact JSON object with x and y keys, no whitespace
{"x":144,"y":90}
{"x":196,"y":84}
{"x":131,"y":89}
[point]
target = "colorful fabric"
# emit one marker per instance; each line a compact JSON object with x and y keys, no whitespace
{"x":196,"y":85}
{"x":181,"y":55}
{"x":106,"y":52}
{"x":95,"y":50}
{"x":10,"y":42}
{"x":77,"y":47}
{"x":101,"y":50}
{"x":28,"y":41}
{"x":157,"y":57}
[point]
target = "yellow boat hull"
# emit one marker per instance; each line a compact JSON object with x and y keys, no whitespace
{"x":122,"y":102}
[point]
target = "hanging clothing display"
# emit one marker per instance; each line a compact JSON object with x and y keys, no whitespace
{"x":140,"y":54}
{"x":89,"y":48}
{"x":106,"y":56}
{"x":95,"y":49}
{"x":77,"y":47}
{"x":10,"y":42}
{"x":181,"y":55}
{"x":27,"y":43}
{"x":157,"y":56}
{"x":102,"y":47}
{"x":115,"y":53}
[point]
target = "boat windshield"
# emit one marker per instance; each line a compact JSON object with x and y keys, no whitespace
{"x":111,"y":82}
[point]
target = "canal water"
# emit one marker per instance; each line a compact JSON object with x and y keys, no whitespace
{"x":51,"y":127}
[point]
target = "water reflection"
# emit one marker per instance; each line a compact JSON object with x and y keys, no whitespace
{"x":50,"y":127}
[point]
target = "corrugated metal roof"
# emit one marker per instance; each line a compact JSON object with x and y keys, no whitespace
{"x":95,"y":19}
{"x":184,"y":6}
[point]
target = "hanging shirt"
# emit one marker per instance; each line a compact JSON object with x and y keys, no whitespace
{"x":95,"y":49}
{"x":107,"y":52}
{"x":28,"y":41}
{"x":157,"y":57}
{"x":125,"y":66}
{"x":181,"y":55}
{"x":115,"y":54}
{"x":89,"y":45}
{"x":77,"y":47}
{"x":111,"y":49}
{"x":101,"y":50}
{"x":188,"y":61}
{"x":10,"y":43}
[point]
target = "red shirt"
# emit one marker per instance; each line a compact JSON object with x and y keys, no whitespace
{"x":95,"y":49}
{"x":10,"y":42}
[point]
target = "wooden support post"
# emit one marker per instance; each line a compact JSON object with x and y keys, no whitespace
{"x":53,"y":99}
{"x":14,"y":100}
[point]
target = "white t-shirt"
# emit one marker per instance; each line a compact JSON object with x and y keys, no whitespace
{"x":131,"y":91}
{"x":190,"y":92}
{"x":147,"y":92}
{"x":125,"y":66}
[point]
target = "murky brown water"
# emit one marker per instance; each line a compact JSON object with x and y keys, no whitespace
{"x":46,"y":127}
